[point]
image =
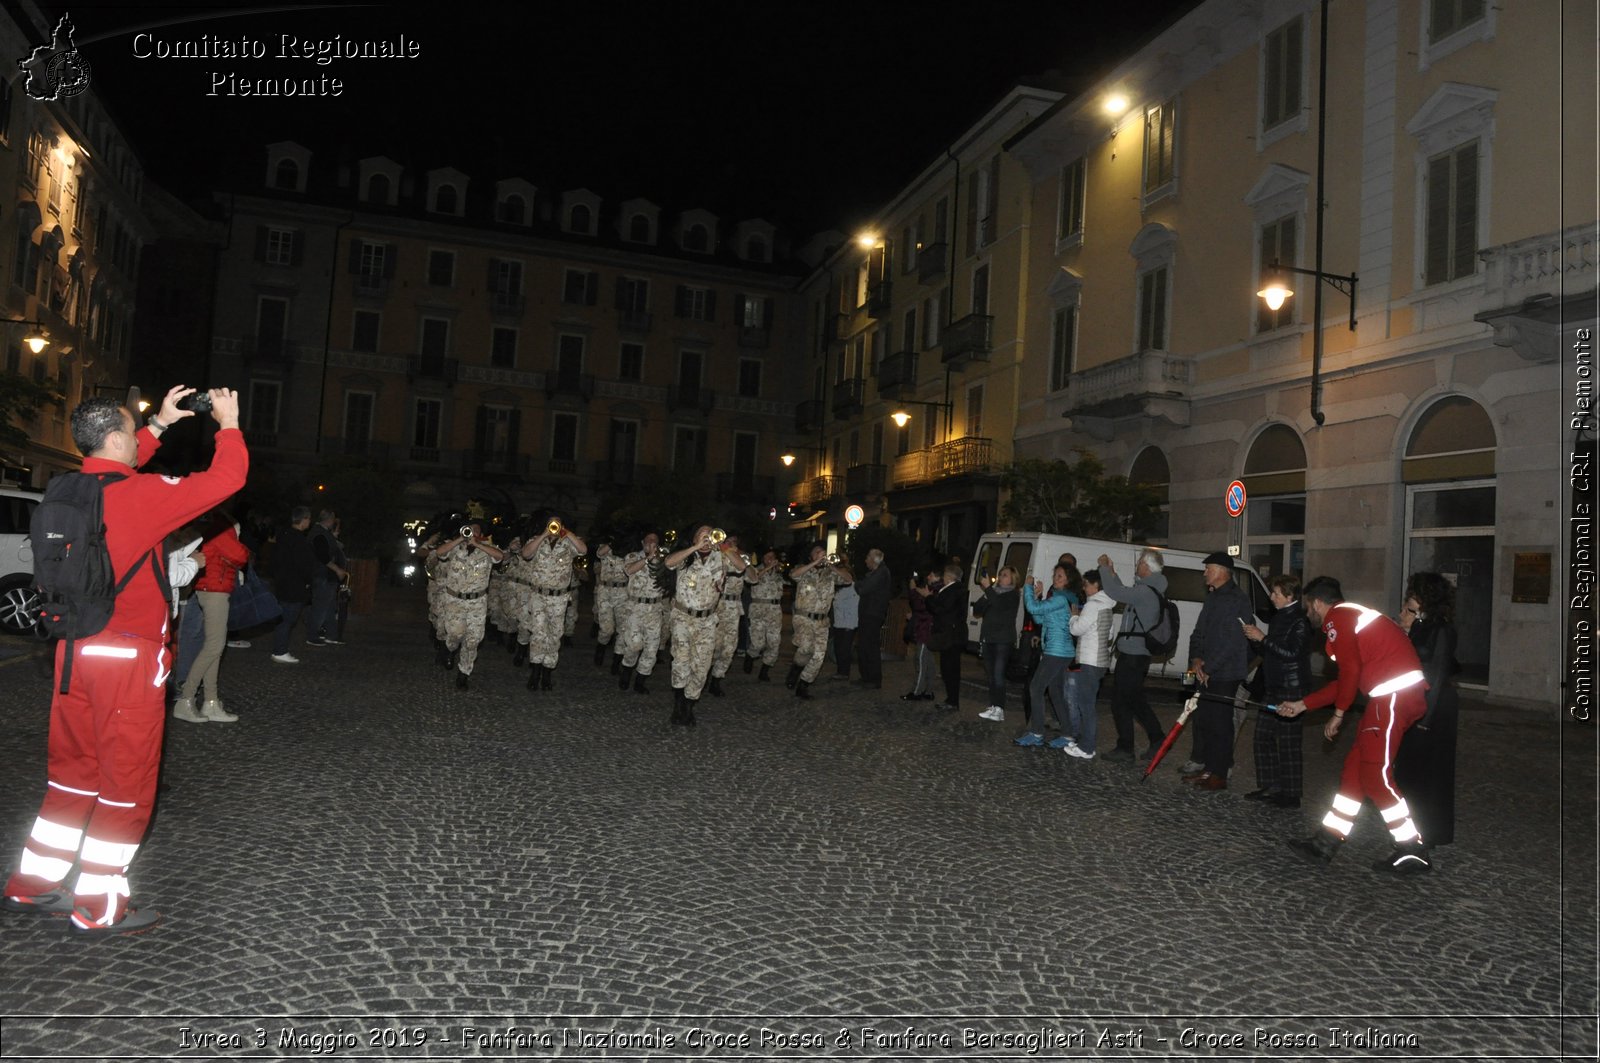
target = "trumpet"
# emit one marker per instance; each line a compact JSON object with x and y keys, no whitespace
{"x":716,"y":536}
{"x":554,"y":527}
{"x":466,"y":531}
{"x":835,"y":559}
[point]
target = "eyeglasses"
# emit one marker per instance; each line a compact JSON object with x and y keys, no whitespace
{"x":1408,"y":611}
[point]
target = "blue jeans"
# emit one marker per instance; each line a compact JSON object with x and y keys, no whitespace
{"x":324,"y":600}
{"x":1083,"y":721}
{"x":996,"y":656}
{"x":1051,"y":678}
{"x":191,"y":635}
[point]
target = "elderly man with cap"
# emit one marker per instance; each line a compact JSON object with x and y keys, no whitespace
{"x":1219,"y":656}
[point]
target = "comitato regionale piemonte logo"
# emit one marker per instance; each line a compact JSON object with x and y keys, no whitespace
{"x":56,"y":70}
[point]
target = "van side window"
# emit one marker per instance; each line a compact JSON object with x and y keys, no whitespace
{"x":1258,"y":596}
{"x":1019,"y":557}
{"x":988,"y":558}
{"x":1185,"y":584}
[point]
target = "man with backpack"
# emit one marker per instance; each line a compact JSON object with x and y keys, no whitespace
{"x":1145,"y":618}
{"x":105,"y":596}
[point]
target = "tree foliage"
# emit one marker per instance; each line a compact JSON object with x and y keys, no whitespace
{"x":20,"y":401}
{"x":1075,"y":498}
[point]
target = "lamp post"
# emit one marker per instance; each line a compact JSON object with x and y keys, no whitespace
{"x":901,"y":417}
{"x":36,"y":338}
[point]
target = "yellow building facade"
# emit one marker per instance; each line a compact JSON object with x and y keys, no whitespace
{"x":1165,"y":194}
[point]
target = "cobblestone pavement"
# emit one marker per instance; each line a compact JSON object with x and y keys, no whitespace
{"x":369,"y":862}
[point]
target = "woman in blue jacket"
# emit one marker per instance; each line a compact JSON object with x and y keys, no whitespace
{"x":1053,"y":615}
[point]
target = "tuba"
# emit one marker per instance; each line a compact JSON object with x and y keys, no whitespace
{"x":554,"y":527}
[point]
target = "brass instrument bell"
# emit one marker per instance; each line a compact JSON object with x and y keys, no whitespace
{"x":466,"y":531}
{"x":835,"y":559}
{"x":554,"y":527}
{"x":716,"y":536}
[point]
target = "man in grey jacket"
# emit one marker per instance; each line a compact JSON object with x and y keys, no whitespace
{"x":1219,"y":656}
{"x":1142,"y":613}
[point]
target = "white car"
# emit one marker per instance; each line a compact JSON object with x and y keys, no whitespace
{"x":17,"y":596}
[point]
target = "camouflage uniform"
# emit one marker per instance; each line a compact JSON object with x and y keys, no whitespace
{"x":570,"y":621}
{"x":694,"y":619}
{"x":464,"y":603}
{"x":610,"y":595}
{"x":516,"y":581}
{"x":435,"y":567}
{"x":766,"y":618}
{"x":640,"y":635}
{"x":499,"y":588}
{"x":813,"y":605}
{"x":729,"y":610}
{"x":549,"y":574}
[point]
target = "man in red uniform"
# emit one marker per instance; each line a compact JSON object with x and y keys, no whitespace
{"x":105,"y":733}
{"x":1374,"y":656}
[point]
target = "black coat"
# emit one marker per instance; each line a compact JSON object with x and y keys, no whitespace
{"x":294,"y":566}
{"x":949,"y":609}
{"x":1286,"y":654}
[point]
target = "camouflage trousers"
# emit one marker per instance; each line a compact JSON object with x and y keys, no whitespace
{"x":609,"y":603}
{"x":727,"y":640}
{"x":766,"y":631}
{"x":463,"y":629}
{"x":542,"y":618}
{"x":640,"y":637}
{"x":569,"y":623}
{"x":435,"y":593}
{"x":692,"y":641}
{"x":810,"y":645}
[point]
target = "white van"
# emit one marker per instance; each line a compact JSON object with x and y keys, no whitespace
{"x":1034,"y":555}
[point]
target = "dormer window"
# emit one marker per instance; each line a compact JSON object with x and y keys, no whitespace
{"x":514,"y":209}
{"x":696,"y":238}
{"x":445,"y":200}
{"x":581,"y":219}
{"x":639,"y":229}
{"x":755,"y":249}
{"x":287,"y":175}
{"x":378,"y":189}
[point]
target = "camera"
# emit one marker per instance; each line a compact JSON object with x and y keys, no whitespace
{"x":199,"y":402}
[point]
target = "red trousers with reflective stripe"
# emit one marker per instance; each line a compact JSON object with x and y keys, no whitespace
{"x":105,"y":743}
{"x":1369,"y":766}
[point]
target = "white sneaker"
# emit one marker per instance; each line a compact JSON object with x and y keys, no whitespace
{"x":238,"y":644}
{"x":1075,"y":750}
{"x":183,"y":709}
{"x":285,"y":658}
{"x":213,"y":711}
{"x":993,"y":712}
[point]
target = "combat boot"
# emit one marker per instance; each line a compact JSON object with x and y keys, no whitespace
{"x":599,"y":654}
{"x":450,"y":661}
{"x":749,"y":664}
{"x":766,"y":674}
{"x":544,"y":676}
{"x":688,"y":710}
{"x":616,"y":663}
{"x":441,"y":652}
{"x":715,"y":686}
{"x":677,"y":706}
{"x":533,"y":675}
{"x":1408,"y":859}
{"x":623,"y":681}
{"x":461,"y":680}
{"x":793,"y":676}
{"x":802,"y":690}
{"x":519,"y":655}
{"x":1320,"y":848}
{"x":638,"y":684}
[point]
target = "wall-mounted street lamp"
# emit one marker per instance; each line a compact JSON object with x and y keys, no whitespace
{"x":36,"y":338}
{"x":901,"y":418}
{"x":788,"y":456}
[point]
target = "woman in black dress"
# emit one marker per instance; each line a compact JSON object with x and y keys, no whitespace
{"x":1425,"y":768}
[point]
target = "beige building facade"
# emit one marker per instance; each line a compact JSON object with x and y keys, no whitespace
{"x":1164,"y":195}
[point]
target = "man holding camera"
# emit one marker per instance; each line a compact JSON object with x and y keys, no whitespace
{"x":105,"y":731}
{"x":464,"y":605}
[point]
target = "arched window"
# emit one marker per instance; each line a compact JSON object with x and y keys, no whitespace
{"x":581,"y":220}
{"x":639,"y":229}
{"x":1150,"y":469}
{"x":1275,"y":519}
{"x":287,"y":175}
{"x":1453,"y":440}
{"x":695,"y":238}
{"x":378,"y":188}
{"x":444,"y":199}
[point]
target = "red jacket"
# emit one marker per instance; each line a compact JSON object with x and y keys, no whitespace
{"x":1373,"y":654}
{"x":143,"y":509}
{"x":225,"y":556}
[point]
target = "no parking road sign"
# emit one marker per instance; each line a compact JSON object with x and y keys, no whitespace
{"x":1234,"y":500}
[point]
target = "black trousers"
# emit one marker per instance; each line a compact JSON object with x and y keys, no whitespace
{"x":1213,"y":725}
{"x":1128,"y":701}
{"x":950,"y":672}
{"x":869,"y":648}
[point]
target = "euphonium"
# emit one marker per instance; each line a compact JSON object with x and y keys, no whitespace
{"x":554,"y":527}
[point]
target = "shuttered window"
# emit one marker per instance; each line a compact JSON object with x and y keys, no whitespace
{"x":1452,"y":215}
{"x":1160,"y":139}
{"x":1280,"y":91}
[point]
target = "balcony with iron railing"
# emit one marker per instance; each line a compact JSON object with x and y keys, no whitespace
{"x":691,"y":397}
{"x":635,"y":321}
{"x":372,"y":284}
{"x":818,"y":490}
{"x":756,"y":337}
{"x":868,"y":480}
{"x":967,"y":340}
{"x":571,"y":384}
{"x":808,"y":415}
{"x":848,"y":396}
{"x":507,"y":302}
{"x":931,"y":261}
{"x":425,"y":455}
{"x":561,"y":467}
{"x":432,"y":367}
{"x":744,"y":487}
{"x":957,"y":457}
{"x":880,"y":298}
{"x":835,"y":327}
{"x":897,"y":375}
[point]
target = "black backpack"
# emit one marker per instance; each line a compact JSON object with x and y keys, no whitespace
{"x":71,"y":564}
{"x":1161,"y":640}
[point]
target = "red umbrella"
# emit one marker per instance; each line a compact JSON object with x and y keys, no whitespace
{"x":1172,"y":733}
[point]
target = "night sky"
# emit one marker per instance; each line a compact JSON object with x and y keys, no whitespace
{"x":809,"y":115}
